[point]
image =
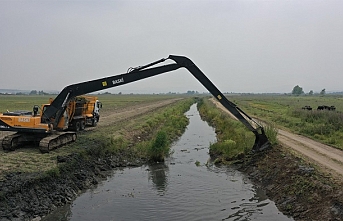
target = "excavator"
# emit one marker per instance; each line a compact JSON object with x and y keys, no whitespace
{"x":43,"y":128}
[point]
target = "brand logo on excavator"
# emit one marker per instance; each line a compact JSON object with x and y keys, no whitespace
{"x":120,"y":80}
{"x":24,"y":119}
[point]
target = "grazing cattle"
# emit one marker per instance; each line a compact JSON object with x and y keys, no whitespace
{"x":324,"y":107}
{"x":307,"y":108}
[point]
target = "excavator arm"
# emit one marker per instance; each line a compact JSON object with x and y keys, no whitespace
{"x":54,"y":112}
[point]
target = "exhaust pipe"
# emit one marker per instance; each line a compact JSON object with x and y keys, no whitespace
{"x":261,"y":141}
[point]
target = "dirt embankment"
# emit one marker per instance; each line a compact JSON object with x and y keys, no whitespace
{"x":303,"y":177}
{"x":30,"y":196}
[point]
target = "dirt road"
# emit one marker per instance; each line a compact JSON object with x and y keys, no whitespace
{"x":327,"y":158}
{"x":124,"y":113}
{"x":132,"y":111}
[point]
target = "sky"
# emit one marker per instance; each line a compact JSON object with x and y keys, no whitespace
{"x":244,"y":46}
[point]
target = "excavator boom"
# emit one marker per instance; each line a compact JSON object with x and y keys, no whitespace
{"x":58,"y":106}
{"x":53,"y":113}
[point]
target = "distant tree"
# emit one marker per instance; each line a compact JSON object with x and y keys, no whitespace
{"x":119,"y":93}
{"x":322,"y":92}
{"x":297,"y":90}
{"x":310,"y":93}
{"x":192,"y":92}
{"x":33,"y":92}
{"x":42,"y":93}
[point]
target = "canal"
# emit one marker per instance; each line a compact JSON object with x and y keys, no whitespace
{"x":187,"y":186}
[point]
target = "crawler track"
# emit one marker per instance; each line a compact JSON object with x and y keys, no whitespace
{"x":46,"y":142}
{"x":56,"y":140}
{"x":11,"y":142}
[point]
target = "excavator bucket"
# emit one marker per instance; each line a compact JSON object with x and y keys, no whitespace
{"x":261,"y":142}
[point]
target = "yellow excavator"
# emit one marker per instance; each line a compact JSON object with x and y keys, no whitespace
{"x":48,"y":126}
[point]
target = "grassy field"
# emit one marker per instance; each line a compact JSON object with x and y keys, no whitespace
{"x":109,"y":101}
{"x":283,"y":111}
{"x":119,"y":137}
{"x":286,"y":111}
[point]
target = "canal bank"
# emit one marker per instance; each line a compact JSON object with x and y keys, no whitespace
{"x":187,"y":186}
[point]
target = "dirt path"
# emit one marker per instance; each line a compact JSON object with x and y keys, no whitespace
{"x":125,"y":113}
{"x":132,"y":111}
{"x":327,"y":158}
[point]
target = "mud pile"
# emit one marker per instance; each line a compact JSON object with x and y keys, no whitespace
{"x":297,"y":188}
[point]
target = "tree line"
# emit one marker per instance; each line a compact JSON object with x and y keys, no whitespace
{"x":297,"y":90}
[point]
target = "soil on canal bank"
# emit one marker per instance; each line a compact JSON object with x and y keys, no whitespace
{"x":297,"y":187}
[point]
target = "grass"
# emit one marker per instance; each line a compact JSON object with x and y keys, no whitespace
{"x":286,"y":111}
{"x":233,"y":139}
{"x":146,"y":138}
{"x":119,"y":138}
{"x":110,"y":101}
{"x":159,"y":147}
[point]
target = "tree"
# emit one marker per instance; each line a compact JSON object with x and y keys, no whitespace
{"x":297,"y":90}
{"x":322,"y":92}
{"x":33,"y":92}
{"x":310,"y":93}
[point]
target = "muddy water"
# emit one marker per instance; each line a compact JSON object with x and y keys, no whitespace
{"x":185,"y":187}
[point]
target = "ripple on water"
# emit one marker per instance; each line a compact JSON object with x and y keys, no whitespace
{"x":177,"y":189}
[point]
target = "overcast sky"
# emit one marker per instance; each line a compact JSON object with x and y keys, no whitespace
{"x":242,"y":46}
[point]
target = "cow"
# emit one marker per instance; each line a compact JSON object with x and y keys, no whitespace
{"x":307,"y":108}
{"x":324,"y":107}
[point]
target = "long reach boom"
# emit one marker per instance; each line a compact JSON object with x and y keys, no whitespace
{"x":48,"y":127}
{"x":58,"y":106}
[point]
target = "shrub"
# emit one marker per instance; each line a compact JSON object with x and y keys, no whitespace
{"x":233,"y":139}
{"x":159,"y":147}
{"x":271,"y":132}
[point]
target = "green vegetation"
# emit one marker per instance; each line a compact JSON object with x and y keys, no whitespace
{"x":147,"y":138}
{"x":110,"y":102}
{"x":233,"y":139}
{"x":159,"y":147}
{"x":271,"y":132}
{"x":286,"y":111}
{"x":297,"y":90}
{"x":137,"y":139}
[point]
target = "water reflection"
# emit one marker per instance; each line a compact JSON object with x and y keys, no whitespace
{"x":185,"y":190}
{"x":158,"y":174}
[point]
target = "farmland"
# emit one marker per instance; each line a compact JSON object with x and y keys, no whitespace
{"x":122,"y":118}
{"x":286,"y":112}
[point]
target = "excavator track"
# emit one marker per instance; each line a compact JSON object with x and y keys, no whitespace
{"x":56,"y":140}
{"x":11,"y":142}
